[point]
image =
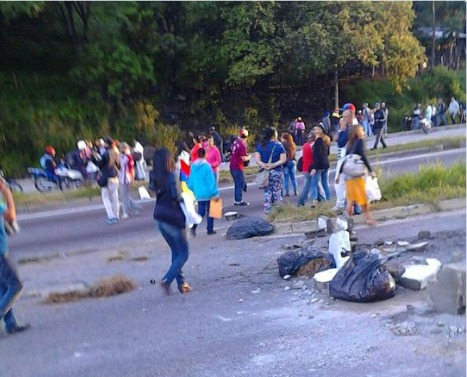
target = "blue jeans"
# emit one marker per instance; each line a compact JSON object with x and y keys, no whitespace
{"x":10,"y":290}
{"x":323,"y":175}
{"x":366,"y":127}
{"x":290,"y":168}
{"x":203,"y":208}
{"x":239,"y":181}
{"x":303,"y":198}
{"x":176,"y":238}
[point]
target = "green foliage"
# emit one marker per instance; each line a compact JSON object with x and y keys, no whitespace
{"x":441,"y":83}
{"x":431,"y":179}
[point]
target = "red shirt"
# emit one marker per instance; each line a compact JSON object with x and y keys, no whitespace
{"x":307,"y":156}
{"x":194,"y":152}
{"x":238,"y":151}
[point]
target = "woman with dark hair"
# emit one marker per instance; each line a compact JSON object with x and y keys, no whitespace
{"x":355,"y":187}
{"x":319,"y":169}
{"x":169,"y":217}
{"x":290,"y":167}
{"x":270,"y":155}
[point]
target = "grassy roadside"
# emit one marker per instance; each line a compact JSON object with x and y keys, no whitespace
{"x":448,"y":143}
{"x":432,"y":184}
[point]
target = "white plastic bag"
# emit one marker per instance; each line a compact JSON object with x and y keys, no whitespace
{"x":188,"y":208}
{"x":373,"y":192}
{"x":143,"y":193}
{"x":339,"y":243}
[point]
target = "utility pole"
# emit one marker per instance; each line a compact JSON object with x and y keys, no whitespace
{"x":433,"y":37}
{"x":336,"y":87}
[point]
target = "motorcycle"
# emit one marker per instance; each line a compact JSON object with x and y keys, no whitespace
{"x":64,"y":178}
{"x":11,"y":183}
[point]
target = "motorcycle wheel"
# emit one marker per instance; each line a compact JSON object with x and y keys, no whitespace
{"x":15,"y":186}
{"x":42,"y":184}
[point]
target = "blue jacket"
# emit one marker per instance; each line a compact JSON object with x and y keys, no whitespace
{"x":202,"y":181}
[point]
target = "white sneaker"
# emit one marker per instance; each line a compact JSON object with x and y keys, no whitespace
{"x":125,"y":216}
{"x":337,"y":209}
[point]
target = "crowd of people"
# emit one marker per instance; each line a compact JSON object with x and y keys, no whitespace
{"x":115,"y":166}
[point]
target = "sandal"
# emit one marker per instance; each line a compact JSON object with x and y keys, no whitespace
{"x":184,"y":288}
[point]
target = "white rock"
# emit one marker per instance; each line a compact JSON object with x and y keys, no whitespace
{"x":403,"y":243}
{"x":241,"y":300}
{"x":286,"y":277}
{"x":313,"y":300}
{"x":298,"y":284}
{"x":388,"y":243}
{"x":286,"y":288}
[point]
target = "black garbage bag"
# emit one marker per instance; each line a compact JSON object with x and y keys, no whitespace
{"x":248,"y":227}
{"x":363,"y":278}
{"x":291,"y":261}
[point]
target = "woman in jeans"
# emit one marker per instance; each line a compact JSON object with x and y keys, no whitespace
{"x":169,"y":217}
{"x":355,"y":187}
{"x":271,"y":150}
{"x":290,"y":167}
{"x":319,"y":169}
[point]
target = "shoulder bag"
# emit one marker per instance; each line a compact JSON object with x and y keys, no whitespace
{"x":262,"y":178}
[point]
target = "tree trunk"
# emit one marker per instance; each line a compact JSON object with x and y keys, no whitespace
{"x":433,"y":39}
{"x":336,"y":88}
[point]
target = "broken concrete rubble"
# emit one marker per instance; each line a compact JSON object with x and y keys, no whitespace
{"x":447,"y":291}
{"x":416,"y":276}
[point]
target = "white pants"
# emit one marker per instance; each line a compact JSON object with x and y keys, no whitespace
{"x":340,"y":187}
{"x":127,"y":201}
{"x":110,"y":198}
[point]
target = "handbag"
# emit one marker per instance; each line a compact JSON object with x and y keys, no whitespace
{"x":102,"y":179}
{"x":215,"y":208}
{"x":300,"y":164}
{"x":353,"y":166}
{"x":373,"y":192}
{"x":262,"y":178}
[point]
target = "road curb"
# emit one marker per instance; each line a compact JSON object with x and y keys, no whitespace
{"x":382,"y":215}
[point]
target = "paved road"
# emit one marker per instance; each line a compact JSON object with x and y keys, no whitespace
{"x":85,"y":230}
{"x":224,"y":329}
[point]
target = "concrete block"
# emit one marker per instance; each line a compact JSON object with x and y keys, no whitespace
{"x":447,"y":291}
{"x":283,"y":228}
{"x":305,"y":226}
{"x":416,"y":276}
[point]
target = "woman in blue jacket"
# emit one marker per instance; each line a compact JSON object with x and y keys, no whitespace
{"x":203,"y":184}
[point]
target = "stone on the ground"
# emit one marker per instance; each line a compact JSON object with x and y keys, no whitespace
{"x":322,"y":222}
{"x":316,"y":233}
{"x":403,"y":243}
{"x":286,"y":277}
{"x":416,"y":276}
{"x":423,"y":234}
{"x":298,"y":284}
{"x":447,"y":291}
{"x":396,"y":271}
{"x":417,"y":246}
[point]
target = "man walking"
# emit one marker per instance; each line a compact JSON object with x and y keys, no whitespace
{"x":453,"y":109}
{"x":378,"y":126}
{"x":218,"y":141}
{"x":237,"y":159}
{"x":442,"y":121}
{"x":204,"y":186}
{"x":10,"y":284}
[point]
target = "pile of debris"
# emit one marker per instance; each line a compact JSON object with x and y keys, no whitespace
{"x":352,"y":273}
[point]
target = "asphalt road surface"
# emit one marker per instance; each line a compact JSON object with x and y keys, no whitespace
{"x":83,"y":230}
